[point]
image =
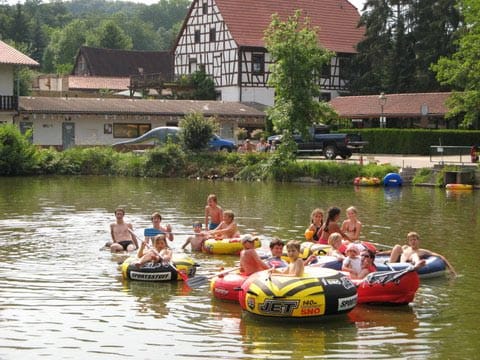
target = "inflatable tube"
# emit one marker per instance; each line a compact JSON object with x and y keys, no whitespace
{"x":434,"y":266}
{"x":392,"y":179}
{"x":366,"y":181}
{"x":319,"y":292}
{"x":158,"y":272}
{"x":459,"y":187}
{"x":396,"y":288}
{"x":228,"y":286}
{"x":225,"y":246}
{"x":308,"y":248}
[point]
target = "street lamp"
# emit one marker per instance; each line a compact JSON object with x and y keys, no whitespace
{"x":382,"y":100}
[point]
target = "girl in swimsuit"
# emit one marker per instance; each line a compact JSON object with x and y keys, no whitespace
{"x":330,"y":226}
{"x":313,"y":232}
{"x":352,"y":226}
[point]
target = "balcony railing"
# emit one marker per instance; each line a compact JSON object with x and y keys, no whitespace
{"x":8,"y":103}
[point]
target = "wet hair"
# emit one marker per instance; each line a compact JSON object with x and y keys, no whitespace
{"x":371,"y":254}
{"x":212,"y":197}
{"x":331,"y":214}
{"x":293,"y":244}
{"x":156,"y":214}
{"x":229,"y":213}
{"x":412,"y":234}
{"x":352,"y":209}
{"x":275,"y":241}
{"x":160,"y":237}
{"x":317,"y":211}
{"x":334,"y":237}
{"x":121,"y":209}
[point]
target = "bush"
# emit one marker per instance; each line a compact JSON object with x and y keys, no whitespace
{"x":165,"y":161}
{"x":196,"y":131}
{"x":17,"y":154}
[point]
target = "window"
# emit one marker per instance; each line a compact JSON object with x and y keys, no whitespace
{"x":258,"y":64}
{"x":197,"y":36}
{"x":326,"y":71}
{"x":205,"y":8}
{"x":192,"y":66}
{"x":344,"y":65}
{"x":213,"y":35}
{"x":130,"y":131}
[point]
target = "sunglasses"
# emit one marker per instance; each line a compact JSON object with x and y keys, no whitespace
{"x":365,"y":256}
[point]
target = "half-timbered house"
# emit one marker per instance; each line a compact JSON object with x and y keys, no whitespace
{"x":226,"y":39}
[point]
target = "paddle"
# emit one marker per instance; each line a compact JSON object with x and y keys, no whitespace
{"x":198,"y":281}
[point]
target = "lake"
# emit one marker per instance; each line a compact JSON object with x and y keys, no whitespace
{"x":63,"y":297}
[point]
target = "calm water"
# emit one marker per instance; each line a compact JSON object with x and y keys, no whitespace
{"x":61,"y":297}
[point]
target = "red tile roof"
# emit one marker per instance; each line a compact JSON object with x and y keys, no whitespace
{"x":64,"y":105}
{"x":97,"y":82}
{"x":396,"y":105}
{"x":337,"y":20}
{"x":9,"y":55}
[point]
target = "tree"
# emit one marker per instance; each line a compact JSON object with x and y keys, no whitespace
{"x":196,"y":131}
{"x":63,"y":46}
{"x":402,"y":39}
{"x":298,"y":62}
{"x":462,"y":69}
{"x":110,"y":36}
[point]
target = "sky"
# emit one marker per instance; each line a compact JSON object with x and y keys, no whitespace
{"x":357,"y":3}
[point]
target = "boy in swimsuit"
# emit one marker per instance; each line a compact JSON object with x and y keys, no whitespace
{"x":414,"y":254}
{"x":295,"y":267}
{"x":196,"y":241}
{"x":276,"y":248}
{"x":227,"y":229}
{"x":122,"y":234}
{"x":213,"y":213}
{"x":250,"y":262}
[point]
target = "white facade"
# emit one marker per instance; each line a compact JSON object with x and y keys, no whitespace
{"x":239,"y":74}
{"x":6,"y":80}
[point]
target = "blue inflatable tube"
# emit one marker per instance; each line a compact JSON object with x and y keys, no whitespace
{"x":392,"y":179}
{"x":434,"y":266}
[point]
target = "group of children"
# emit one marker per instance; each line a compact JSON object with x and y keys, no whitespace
{"x":357,"y":259}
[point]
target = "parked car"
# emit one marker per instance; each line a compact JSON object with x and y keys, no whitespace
{"x":329,"y":144}
{"x":159,"y":135}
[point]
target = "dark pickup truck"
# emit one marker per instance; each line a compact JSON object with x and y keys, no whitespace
{"x":329,"y":144}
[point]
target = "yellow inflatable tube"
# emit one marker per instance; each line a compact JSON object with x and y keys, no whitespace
{"x":231,"y":246}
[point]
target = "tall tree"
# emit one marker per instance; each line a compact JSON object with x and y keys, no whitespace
{"x":298,"y":62}
{"x":20,"y":32}
{"x":461,"y":71}
{"x":109,"y":35}
{"x":402,"y":39}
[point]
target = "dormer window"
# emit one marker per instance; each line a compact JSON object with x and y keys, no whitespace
{"x":258,"y":64}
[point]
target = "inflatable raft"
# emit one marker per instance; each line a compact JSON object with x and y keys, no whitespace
{"x":225,"y":246}
{"x":394,"y":287}
{"x":459,"y":187}
{"x":434,"y":266}
{"x":227,"y":287}
{"x":319,"y":292}
{"x":366,"y":181}
{"x":158,"y":272}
